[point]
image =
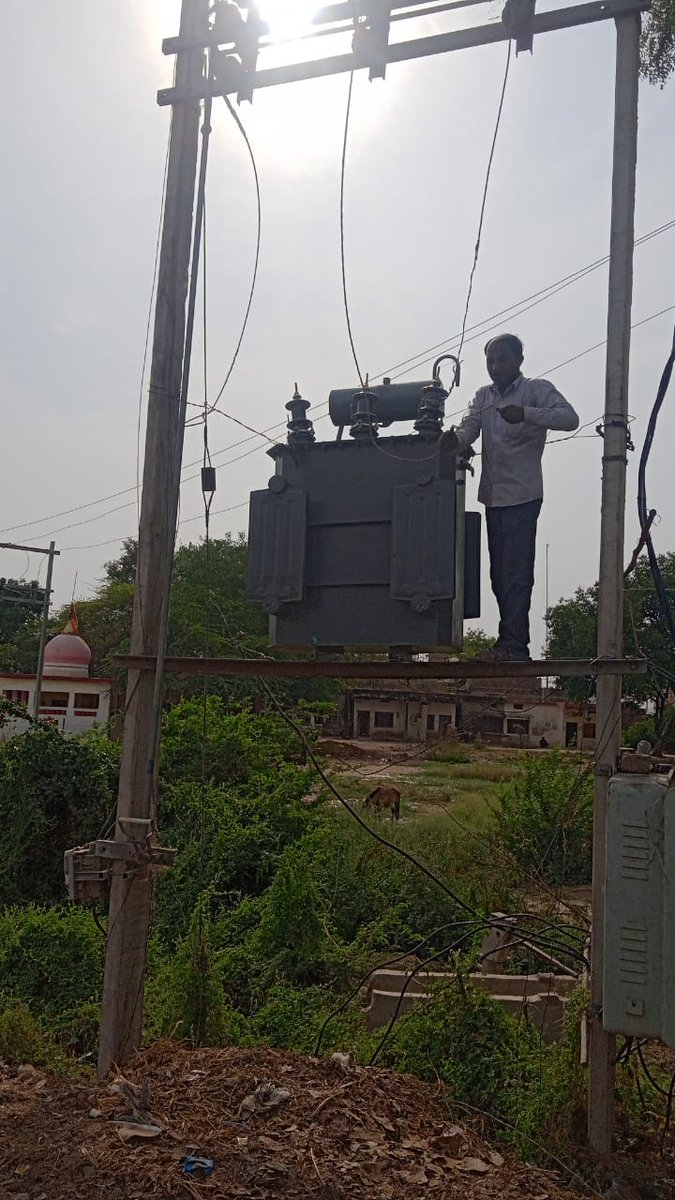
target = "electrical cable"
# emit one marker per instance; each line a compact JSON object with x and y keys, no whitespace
{"x":546,"y":293}
{"x":661,"y":591}
{"x":456,"y":945}
{"x":655,"y":1084}
{"x":533,"y":1142}
{"x":392,"y":845}
{"x":380,"y":967}
{"x":235,"y":356}
{"x":669,"y":1113}
{"x":357,"y":816}
{"x":343,"y":266}
{"x":282,"y":424}
{"x":486,"y":189}
{"x":636,"y":325}
{"x":420,"y":967}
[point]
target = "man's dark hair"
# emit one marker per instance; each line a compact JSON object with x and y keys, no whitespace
{"x":514,"y":343}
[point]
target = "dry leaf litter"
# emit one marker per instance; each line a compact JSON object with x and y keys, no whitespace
{"x":261,"y":1124}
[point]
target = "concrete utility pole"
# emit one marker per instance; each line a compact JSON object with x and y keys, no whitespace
{"x":131,"y":892}
{"x":610,"y":598}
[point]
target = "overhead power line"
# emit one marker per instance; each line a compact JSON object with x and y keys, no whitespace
{"x":531,"y":301}
{"x":486,"y":190}
{"x":254,"y":450}
{"x":539,"y":297}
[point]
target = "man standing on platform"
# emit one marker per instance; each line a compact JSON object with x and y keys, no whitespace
{"x":513,"y":415}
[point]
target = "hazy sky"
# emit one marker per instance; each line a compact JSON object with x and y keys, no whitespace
{"x":83,"y":150}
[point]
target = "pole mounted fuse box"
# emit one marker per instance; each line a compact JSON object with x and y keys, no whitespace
{"x":364,"y":541}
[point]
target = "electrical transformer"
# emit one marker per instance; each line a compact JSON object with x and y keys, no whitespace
{"x":639,"y":967}
{"x":363,"y":541}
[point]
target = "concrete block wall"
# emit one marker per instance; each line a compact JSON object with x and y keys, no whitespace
{"x":542,"y":998}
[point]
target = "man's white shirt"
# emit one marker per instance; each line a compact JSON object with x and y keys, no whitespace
{"x":511,"y":453}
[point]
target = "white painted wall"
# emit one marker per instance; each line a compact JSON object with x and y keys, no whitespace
{"x":69,"y":717}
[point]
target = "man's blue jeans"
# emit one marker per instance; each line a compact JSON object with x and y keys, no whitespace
{"x":512,"y":533}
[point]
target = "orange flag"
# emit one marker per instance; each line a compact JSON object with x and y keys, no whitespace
{"x":72,"y":625}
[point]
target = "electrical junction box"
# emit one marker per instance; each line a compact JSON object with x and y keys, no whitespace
{"x":639,"y":969}
{"x":364,"y":542}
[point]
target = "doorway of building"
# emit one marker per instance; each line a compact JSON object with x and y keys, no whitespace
{"x":363,"y":723}
{"x":571,"y":734}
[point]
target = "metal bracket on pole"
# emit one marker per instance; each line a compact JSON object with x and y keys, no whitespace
{"x":88,"y":869}
{"x":518,"y":18}
{"x":423,"y":47}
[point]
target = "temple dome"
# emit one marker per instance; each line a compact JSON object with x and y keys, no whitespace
{"x":67,"y":653}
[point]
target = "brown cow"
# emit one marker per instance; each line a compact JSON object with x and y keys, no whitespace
{"x":385,"y":797}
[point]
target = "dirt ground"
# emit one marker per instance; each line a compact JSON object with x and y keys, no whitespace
{"x":274,"y":1125}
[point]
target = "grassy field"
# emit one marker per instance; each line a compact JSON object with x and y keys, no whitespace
{"x":448,"y":781}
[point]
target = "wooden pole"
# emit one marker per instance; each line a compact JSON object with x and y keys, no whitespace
{"x":610,"y":597}
{"x":131,"y":894}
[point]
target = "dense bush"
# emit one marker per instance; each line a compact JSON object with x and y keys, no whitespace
{"x":494,"y":1063}
{"x":232,"y":747}
{"x":51,"y":962}
{"x":645,"y":731}
{"x":24,"y":1040}
{"x":231,"y":818}
{"x":544,"y":817}
{"x":55,"y":793}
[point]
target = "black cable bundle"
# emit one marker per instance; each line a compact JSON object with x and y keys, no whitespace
{"x":664,"y":600}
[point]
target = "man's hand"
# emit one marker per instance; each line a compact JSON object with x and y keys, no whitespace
{"x":448,"y":441}
{"x":512,"y":413}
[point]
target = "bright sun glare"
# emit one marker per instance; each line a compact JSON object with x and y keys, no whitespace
{"x":287,"y":18}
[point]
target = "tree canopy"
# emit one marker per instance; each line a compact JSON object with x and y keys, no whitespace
{"x":210,"y":617}
{"x":658,"y":42}
{"x":20,"y":603}
{"x":195,"y":628}
{"x":573,"y":623}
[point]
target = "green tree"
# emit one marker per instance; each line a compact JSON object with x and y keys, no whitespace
{"x":572,"y":628}
{"x":19,"y":601}
{"x":123,"y":569}
{"x":218,"y":627}
{"x":544,"y":817}
{"x":657,"y":59}
{"x":475,"y":640}
{"x":20,"y":610}
{"x":55,"y":793}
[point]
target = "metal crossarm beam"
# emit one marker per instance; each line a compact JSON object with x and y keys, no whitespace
{"x":275,"y":668}
{"x":338,"y":17}
{"x":462,"y":39}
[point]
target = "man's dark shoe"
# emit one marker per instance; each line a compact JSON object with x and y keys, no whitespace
{"x":499,"y":653}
